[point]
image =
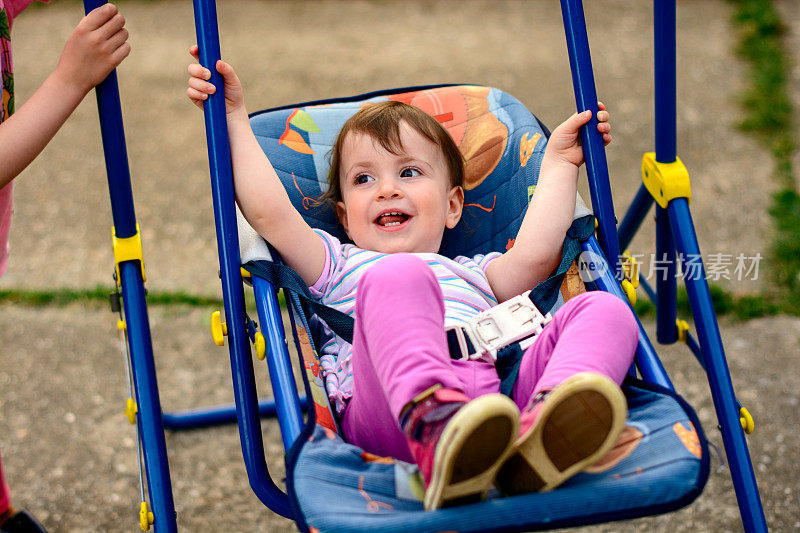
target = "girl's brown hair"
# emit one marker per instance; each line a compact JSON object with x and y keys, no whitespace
{"x":381,"y":121}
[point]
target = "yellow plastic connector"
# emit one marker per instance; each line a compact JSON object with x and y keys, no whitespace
{"x":748,"y":424}
{"x":127,"y":249}
{"x":146,"y":517}
{"x":261,"y":346}
{"x":121,"y":325}
{"x":630,"y":272}
{"x":665,"y":181}
{"x":131,"y":410}
{"x":629,"y":290}
{"x":219,"y":329}
{"x":245,"y":273}
{"x":683,"y":329}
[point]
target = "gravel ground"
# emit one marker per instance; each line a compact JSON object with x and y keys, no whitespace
{"x":69,"y":451}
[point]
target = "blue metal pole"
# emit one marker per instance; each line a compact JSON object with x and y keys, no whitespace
{"x":217,"y":416}
{"x":699,"y":296}
{"x":287,"y":401}
{"x":593,"y":149}
{"x":151,"y":429}
{"x":634,"y":216}
{"x":647,"y":361}
{"x":116,"y":154}
{"x":219,"y":156}
{"x":666,"y":284}
{"x":666,"y":152}
{"x":665,"y":80}
{"x":719,"y":377}
{"x":154,"y":449}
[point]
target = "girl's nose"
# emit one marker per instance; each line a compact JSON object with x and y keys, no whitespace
{"x":389,"y":189}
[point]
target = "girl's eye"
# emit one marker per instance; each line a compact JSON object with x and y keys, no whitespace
{"x":362,"y":178}
{"x":409,"y":172}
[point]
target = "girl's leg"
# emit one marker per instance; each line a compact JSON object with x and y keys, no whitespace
{"x":11,"y":520}
{"x":400,"y":351}
{"x":577,"y":362}
{"x":593,"y":332}
{"x":5,"y":498}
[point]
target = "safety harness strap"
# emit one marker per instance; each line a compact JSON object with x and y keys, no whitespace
{"x":281,"y":276}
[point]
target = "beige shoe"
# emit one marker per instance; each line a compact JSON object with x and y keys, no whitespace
{"x":564,"y":431}
{"x":460,"y":452}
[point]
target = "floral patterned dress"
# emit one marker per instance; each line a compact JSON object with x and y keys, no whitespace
{"x":8,"y":10}
{"x":6,"y":108}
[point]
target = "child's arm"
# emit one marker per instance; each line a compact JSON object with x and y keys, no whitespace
{"x":538,"y":245}
{"x":96,"y":46}
{"x":259,"y":191}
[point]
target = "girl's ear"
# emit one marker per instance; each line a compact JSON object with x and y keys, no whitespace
{"x":455,"y":199}
{"x":341,"y":212}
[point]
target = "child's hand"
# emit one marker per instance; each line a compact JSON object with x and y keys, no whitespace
{"x":95,"y":48}
{"x":564,"y":144}
{"x":199,"y":88}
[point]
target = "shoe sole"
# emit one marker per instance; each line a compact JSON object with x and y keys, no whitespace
{"x":472,"y":448}
{"x":581,"y":421}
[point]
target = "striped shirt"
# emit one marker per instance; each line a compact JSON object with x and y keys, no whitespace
{"x":463,"y":282}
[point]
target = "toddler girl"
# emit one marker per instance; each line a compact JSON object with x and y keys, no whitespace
{"x":395,"y":182}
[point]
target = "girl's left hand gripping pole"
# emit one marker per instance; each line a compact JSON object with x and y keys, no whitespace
{"x":130,"y":278}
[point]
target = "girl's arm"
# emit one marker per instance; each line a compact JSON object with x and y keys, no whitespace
{"x":259,"y":191}
{"x":96,"y":46}
{"x":538,"y":246}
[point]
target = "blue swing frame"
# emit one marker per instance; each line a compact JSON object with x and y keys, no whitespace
{"x":674,"y":230}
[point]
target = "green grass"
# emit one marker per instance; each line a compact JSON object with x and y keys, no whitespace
{"x":738,"y":307}
{"x":97,"y":296}
{"x":769,"y":118}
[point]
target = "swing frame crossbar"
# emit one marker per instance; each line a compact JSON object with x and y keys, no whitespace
{"x":675,"y":237}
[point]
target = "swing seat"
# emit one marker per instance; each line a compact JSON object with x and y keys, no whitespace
{"x":661,"y":462}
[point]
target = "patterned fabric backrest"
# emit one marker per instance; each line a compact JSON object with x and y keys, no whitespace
{"x":502,"y":142}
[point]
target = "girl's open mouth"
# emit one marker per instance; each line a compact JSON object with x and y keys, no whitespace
{"x":392,"y":219}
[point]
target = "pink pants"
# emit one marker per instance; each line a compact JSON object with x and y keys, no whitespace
{"x":5,"y":497}
{"x":400,"y":350}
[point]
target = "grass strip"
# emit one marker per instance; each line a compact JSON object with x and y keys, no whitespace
{"x":97,"y":296}
{"x":725,"y":303}
{"x":769,"y":118}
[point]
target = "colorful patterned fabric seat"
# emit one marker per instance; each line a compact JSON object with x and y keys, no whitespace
{"x":660,"y":464}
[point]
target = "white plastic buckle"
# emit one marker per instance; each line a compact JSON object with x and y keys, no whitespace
{"x":515,"y":320}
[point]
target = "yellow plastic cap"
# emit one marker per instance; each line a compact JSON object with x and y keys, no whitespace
{"x":218,"y":329}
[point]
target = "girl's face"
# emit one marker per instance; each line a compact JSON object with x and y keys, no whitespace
{"x":396,"y":203}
